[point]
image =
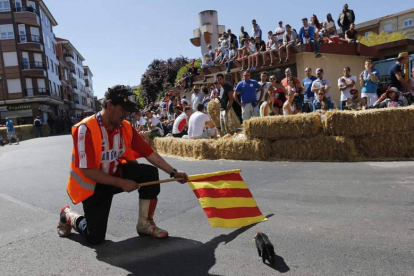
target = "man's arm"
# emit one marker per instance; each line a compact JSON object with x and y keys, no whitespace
{"x":159,"y":162}
{"x":261,"y":93}
{"x":102,"y":178}
{"x":236,"y":97}
{"x":400,"y":78}
{"x":230,"y":103}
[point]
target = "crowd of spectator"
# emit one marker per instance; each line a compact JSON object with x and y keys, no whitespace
{"x":251,"y":50}
{"x":273,"y":96}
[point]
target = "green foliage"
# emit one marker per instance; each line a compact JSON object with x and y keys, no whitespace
{"x":184,"y":69}
{"x":140,"y":98}
{"x":375,"y":39}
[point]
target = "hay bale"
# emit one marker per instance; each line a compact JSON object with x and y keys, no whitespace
{"x":368,"y":122}
{"x":397,"y":145}
{"x":213,"y":110}
{"x":282,"y":127}
{"x":242,"y":149}
{"x":236,"y":120}
{"x":319,"y":148}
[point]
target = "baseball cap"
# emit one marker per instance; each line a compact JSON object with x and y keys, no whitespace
{"x":119,"y":94}
{"x":7,"y":118}
{"x":394,"y":89}
{"x":319,"y":70}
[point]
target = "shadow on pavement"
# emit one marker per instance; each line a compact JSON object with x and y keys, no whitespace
{"x":172,"y":256}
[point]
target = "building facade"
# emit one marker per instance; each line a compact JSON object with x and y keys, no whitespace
{"x":398,"y":22}
{"x":76,"y":74}
{"x":87,"y":73}
{"x":28,"y":85}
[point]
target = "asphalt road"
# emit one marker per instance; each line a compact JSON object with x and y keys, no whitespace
{"x":324,"y":219}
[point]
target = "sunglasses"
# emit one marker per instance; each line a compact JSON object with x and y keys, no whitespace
{"x":321,"y":94}
{"x":353,"y":93}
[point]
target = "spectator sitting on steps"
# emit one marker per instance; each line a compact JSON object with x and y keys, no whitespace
{"x":181,"y":123}
{"x":200,"y":125}
{"x":289,"y":107}
{"x":391,"y":98}
{"x":153,"y":128}
{"x":321,"y":104}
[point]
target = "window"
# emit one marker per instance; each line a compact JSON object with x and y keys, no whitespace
{"x":367,"y":33}
{"x":51,"y":65}
{"x":4,"y":5}
{"x":408,"y":23}
{"x":14,"y":86}
{"x":25,"y":60}
{"x":7,"y":31}
{"x":10,"y":59}
{"x":22,"y":33}
{"x":388,"y":28}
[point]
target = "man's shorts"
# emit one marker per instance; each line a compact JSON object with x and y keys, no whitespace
{"x":207,"y":133}
{"x":371,"y":98}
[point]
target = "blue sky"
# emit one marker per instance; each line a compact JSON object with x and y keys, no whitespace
{"x":120,"y":38}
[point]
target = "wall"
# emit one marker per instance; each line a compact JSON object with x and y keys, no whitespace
{"x":332,"y":66}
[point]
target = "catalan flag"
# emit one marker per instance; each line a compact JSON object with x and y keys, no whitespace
{"x":226,"y":199}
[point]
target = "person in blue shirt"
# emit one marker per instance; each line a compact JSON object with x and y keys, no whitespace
{"x":10,"y":131}
{"x":307,"y":34}
{"x":396,"y":73}
{"x":247,"y":90}
{"x":307,"y":84}
{"x":369,"y":79}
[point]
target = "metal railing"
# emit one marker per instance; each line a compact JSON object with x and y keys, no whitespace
{"x":25,"y":9}
{"x":30,"y":38}
{"x":33,"y":65}
{"x":32,"y":92}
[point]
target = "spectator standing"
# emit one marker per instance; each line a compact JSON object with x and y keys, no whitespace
{"x":265,"y":86}
{"x":211,"y":52}
{"x":180,"y":123}
{"x":288,"y":73}
{"x":278,"y":92}
{"x":309,"y":96}
{"x":200,"y":126}
{"x":272,"y":46}
{"x":298,"y":93}
{"x":38,"y":126}
{"x":11,"y":133}
{"x":233,"y":55}
{"x":192,"y":72}
{"x":51,"y":124}
{"x":196,"y":97}
{"x":226,"y":102}
{"x":289,"y":41}
{"x":289,"y":107}
{"x":206,"y":98}
{"x":256,"y":31}
{"x":279,"y":32}
{"x":345,"y":84}
{"x":396,"y":73}
{"x":321,"y":82}
{"x":307,"y":35}
{"x":247,"y":91}
{"x":369,"y":80}
{"x":242,"y":36}
{"x":329,"y":26}
{"x":410,"y":93}
{"x":346,"y":18}
{"x":233,"y":38}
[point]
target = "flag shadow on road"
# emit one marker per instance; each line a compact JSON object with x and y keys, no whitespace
{"x":172,"y":256}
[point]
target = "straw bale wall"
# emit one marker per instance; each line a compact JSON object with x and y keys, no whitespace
{"x":282,"y":127}
{"x":25,"y":132}
{"x":369,"y":122}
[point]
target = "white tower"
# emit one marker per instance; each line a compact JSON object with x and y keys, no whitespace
{"x":208,"y":31}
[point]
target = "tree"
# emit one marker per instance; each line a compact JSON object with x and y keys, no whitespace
{"x":140,"y":98}
{"x":375,"y":39}
{"x":184,"y":69}
{"x":160,"y":76}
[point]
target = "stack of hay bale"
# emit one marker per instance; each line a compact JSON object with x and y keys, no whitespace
{"x":25,"y":132}
{"x":342,"y":136}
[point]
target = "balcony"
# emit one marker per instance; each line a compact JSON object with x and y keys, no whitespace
{"x":36,"y":92}
{"x":30,"y":43}
{"x":73,"y":73}
{"x":77,"y":105}
{"x":70,"y":59}
{"x":33,"y":69}
{"x":26,"y":15}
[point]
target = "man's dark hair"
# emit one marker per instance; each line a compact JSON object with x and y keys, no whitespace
{"x":287,"y":25}
{"x":280,"y":22}
{"x":187,"y":108}
{"x":200,"y":107}
{"x":219,"y":75}
{"x":204,"y":89}
{"x":304,"y":19}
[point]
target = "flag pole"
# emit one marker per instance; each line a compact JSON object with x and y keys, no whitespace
{"x":160,"y":181}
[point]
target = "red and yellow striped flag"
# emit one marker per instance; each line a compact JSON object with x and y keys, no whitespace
{"x":226,"y":199}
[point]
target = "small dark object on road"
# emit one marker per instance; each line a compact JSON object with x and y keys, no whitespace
{"x":264,"y":247}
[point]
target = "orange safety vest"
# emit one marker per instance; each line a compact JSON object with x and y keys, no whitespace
{"x":80,"y":187}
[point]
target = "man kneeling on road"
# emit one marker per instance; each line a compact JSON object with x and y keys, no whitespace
{"x":104,"y":163}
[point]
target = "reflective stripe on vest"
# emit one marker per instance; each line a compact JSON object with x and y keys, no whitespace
{"x":79,"y":187}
